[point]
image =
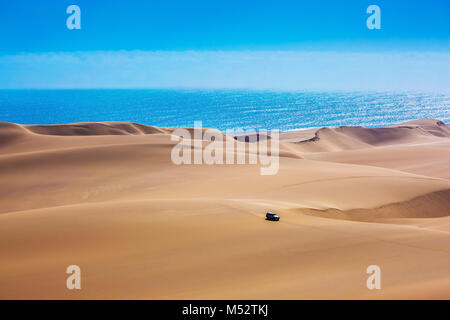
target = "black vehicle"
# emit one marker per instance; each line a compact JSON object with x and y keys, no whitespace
{"x":272,"y":216}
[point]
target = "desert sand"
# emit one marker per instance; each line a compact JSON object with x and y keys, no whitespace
{"x":107,"y":197}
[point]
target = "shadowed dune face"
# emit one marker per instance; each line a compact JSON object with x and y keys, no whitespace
{"x":10,"y":132}
{"x":106,"y":196}
{"x":346,"y":138}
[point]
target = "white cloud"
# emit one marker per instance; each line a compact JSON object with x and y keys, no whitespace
{"x":284,"y":70}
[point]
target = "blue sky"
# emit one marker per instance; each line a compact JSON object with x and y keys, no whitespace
{"x":299,"y":45}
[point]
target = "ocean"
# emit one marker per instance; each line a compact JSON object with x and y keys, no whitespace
{"x":222,"y":109}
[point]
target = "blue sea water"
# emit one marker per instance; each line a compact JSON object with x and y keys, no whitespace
{"x":222,"y":109}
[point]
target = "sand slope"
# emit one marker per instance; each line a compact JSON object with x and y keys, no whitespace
{"x":107,"y":197}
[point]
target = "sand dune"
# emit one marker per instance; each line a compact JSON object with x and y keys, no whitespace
{"x":346,"y":138}
{"x":94,"y":128}
{"x":107,"y":197}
